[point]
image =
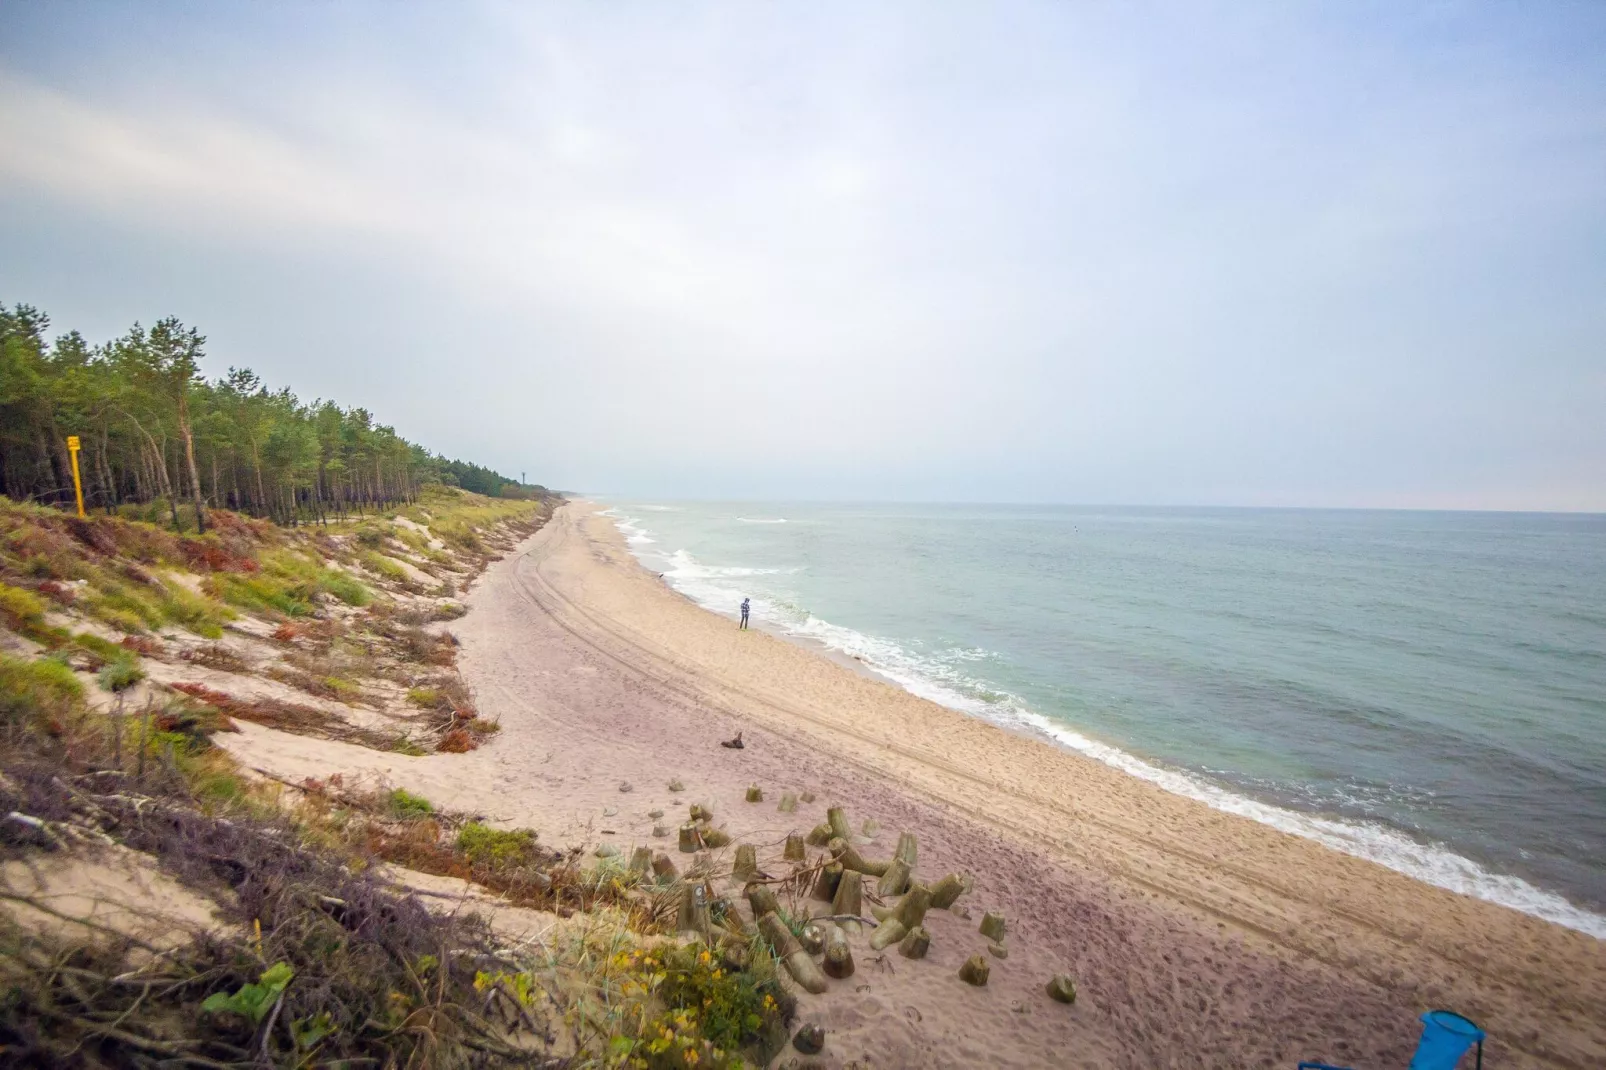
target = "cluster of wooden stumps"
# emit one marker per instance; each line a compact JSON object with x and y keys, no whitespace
{"x":831,"y":892}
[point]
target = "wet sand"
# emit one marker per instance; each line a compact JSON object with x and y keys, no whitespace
{"x":1196,"y":938}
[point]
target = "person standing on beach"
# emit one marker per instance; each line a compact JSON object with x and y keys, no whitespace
{"x":745,"y":605}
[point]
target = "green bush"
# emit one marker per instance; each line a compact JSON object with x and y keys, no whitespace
{"x":44,"y":689}
{"x":496,"y":847}
{"x":20,"y":610}
{"x":406,"y":805}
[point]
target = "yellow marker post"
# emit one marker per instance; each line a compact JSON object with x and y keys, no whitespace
{"x":77,"y":483}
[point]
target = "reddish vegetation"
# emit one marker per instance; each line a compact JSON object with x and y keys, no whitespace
{"x":57,"y":593}
{"x":142,"y":644}
{"x":285,"y":633}
{"x":457,"y":741}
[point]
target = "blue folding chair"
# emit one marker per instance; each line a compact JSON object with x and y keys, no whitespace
{"x":1446,"y":1036}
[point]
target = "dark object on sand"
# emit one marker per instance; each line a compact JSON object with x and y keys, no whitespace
{"x":809,"y":1040}
{"x":734,"y":744}
{"x":974,"y":971}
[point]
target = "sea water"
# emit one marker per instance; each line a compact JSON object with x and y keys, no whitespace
{"x":1427,"y":690}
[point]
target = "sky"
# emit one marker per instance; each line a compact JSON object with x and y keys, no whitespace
{"x":1272,"y":254}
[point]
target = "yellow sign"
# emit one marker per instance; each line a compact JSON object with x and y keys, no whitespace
{"x":77,"y":484}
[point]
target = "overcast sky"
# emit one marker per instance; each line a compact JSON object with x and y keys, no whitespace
{"x":1251,"y":253}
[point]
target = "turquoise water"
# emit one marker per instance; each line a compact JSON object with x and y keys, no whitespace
{"x":1424,"y":689}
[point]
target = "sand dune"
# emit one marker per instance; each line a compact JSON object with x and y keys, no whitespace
{"x":1197,"y":938}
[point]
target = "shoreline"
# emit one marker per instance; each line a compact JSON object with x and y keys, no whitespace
{"x":1434,"y":863}
{"x":1196,"y":937}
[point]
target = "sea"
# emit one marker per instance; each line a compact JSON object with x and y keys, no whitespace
{"x":1423,"y":689}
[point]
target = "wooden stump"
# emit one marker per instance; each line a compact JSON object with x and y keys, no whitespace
{"x":894,"y":880}
{"x":807,"y":796}
{"x":690,"y":839}
{"x":692,"y":915}
{"x":746,"y":865}
{"x":762,"y":900}
{"x":849,"y":896}
{"x":795,"y":851}
{"x":839,"y":824}
{"x":1061,"y":989}
{"x":887,"y":933}
{"x":641,"y":861}
{"x":812,"y":937}
{"x":974,"y":971}
{"x":870,"y":827}
{"x":676,"y":785}
{"x":663,"y":867}
{"x":852,"y":859}
{"x":908,"y":850}
{"x":992,"y":925}
{"x":997,"y":950}
{"x":716,"y":838}
{"x":838,"y":956}
{"x":836,"y":846}
{"x":788,"y":802}
{"x":946,"y":891}
{"x":660,"y":831}
{"x":699,"y":812}
{"x":819,"y":835}
{"x":791,"y":953}
{"x":915,"y":943}
{"x":755,"y":793}
{"x":825,"y":884}
{"x":912,"y":908}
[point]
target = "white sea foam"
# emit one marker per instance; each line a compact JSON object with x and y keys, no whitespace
{"x":938,"y":679}
{"x":762,"y":519}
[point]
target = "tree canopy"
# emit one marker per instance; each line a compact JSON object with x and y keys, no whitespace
{"x":153,"y":427}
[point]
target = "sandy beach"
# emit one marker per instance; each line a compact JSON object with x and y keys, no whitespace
{"x":1196,"y":938}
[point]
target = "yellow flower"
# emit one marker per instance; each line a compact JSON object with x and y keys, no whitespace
{"x":705,"y":958}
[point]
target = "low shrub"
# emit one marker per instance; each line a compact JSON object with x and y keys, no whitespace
{"x":406,"y":805}
{"x":496,"y":848}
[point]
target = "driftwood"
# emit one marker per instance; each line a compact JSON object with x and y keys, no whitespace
{"x":825,"y":884}
{"x":974,"y":971}
{"x":915,"y":943}
{"x":946,"y":891}
{"x":790,"y":952}
{"x":838,"y":956}
{"x":795,"y":851}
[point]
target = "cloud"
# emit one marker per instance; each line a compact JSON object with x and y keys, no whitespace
{"x":1062,"y":253}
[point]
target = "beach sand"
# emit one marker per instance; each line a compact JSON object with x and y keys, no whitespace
{"x":1196,"y":938}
